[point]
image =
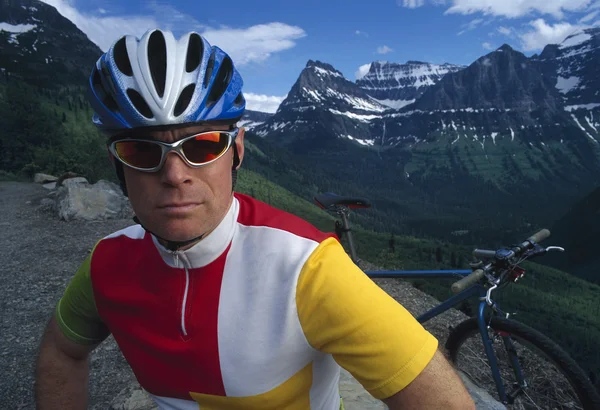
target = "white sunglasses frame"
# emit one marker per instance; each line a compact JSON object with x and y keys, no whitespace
{"x":176,"y":147}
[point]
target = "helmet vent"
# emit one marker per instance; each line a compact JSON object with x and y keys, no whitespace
{"x":138,"y":102}
{"x":194,"y":52}
{"x":122,"y":58}
{"x":239,"y":100}
{"x":221,"y":81}
{"x":209,"y":68}
{"x":108,"y":101}
{"x":184,"y":99}
{"x":157,"y":59}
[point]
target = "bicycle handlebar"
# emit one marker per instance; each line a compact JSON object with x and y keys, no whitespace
{"x":539,"y":236}
{"x":484,"y":254}
{"x":467,"y":281}
{"x":478,"y":274}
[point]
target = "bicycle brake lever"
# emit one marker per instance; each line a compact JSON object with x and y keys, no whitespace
{"x":555,"y":248}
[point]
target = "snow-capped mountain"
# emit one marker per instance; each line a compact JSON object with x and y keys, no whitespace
{"x":323,"y":100}
{"x":253,"y":119}
{"x":397,"y":85}
{"x":41,"y":46}
{"x":574,"y":70}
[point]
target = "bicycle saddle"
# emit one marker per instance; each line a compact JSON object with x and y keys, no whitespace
{"x":329,"y":199}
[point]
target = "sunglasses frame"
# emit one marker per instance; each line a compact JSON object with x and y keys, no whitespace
{"x":176,"y":147}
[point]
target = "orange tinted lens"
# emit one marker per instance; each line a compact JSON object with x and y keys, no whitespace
{"x":205,"y":147}
{"x":139,"y":154}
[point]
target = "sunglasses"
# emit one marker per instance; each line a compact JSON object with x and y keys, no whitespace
{"x":196,"y":150}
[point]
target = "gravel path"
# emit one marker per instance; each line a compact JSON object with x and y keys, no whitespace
{"x":38,"y":256}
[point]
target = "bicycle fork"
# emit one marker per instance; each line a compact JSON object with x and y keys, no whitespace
{"x":491,"y":355}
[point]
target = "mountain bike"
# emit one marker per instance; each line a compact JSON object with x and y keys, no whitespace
{"x":516,"y":364}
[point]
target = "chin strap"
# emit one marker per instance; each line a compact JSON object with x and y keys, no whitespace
{"x":170,"y":245}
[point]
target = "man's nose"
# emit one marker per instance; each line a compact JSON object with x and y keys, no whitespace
{"x":175,"y":171}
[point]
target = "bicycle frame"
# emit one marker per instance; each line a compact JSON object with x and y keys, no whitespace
{"x":477,"y":289}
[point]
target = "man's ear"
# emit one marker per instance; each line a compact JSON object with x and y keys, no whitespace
{"x":111,"y":157}
{"x":239,"y":143}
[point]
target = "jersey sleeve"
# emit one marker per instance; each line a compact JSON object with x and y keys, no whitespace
{"x":344,"y":313}
{"x":76,"y":311}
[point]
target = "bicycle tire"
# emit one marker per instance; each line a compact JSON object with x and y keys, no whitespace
{"x":582,"y":387}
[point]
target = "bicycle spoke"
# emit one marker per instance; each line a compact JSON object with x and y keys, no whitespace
{"x":544,"y":386}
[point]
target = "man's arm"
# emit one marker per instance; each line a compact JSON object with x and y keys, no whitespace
{"x":61,"y":377}
{"x":436,"y":387}
{"x":344,"y":313}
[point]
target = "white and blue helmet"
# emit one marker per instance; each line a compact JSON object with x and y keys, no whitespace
{"x":160,"y":81}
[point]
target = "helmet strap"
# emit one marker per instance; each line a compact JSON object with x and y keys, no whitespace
{"x":170,"y":245}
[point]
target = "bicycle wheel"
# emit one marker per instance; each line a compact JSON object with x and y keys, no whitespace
{"x":553,"y":379}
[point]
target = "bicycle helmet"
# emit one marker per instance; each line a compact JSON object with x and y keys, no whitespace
{"x":160,"y":81}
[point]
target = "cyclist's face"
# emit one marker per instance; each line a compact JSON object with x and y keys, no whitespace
{"x":205,"y":192}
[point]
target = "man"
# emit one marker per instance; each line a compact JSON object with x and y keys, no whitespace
{"x":216,"y":300}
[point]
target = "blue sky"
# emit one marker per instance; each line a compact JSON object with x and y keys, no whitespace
{"x":271,"y":40}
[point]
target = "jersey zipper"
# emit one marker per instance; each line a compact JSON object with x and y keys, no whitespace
{"x":185,"y":294}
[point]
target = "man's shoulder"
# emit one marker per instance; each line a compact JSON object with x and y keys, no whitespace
{"x":255,"y":213}
{"x":122,"y":238}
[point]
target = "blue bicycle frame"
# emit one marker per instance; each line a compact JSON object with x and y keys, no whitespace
{"x":451,"y":302}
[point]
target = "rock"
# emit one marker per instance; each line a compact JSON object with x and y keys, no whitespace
{"x":65,"y":176}
{"x":50,"y":185}
{"x":133,"y":398}
{"x":483,"y":400}
{"x":40,"y":178}
{"x":77,"y":199}
{"x":355,"y":397}
{"x":72,"y":181}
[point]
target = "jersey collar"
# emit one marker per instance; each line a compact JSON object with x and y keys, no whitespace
{"x":209,"y":248}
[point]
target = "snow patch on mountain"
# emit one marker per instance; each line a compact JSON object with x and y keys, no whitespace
{"x":395,"y":104}
{"x":249,"y":124}
{"x":18,"y":28}
{"x":322,"y":71}
{"x":360,"y":117}
{"x":575,"y":39}
{"x":581,"y":107}
{"x":564,"y":85}
{"x":361,"y":141}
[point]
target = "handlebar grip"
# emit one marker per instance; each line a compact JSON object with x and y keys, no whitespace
{"x":484,"y":254}
{"x":539,"y":236}
{"x":467,"y":281}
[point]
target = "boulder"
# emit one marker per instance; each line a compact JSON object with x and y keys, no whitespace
{"x":133,"y":398}
{"x":40,"y":178}
{"x":77,"y":199}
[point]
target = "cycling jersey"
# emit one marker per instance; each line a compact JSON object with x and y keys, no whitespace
{"x":260,"y":314}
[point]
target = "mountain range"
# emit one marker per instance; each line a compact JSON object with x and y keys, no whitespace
{"x":509,"y":138}
{"x":483,"y":151}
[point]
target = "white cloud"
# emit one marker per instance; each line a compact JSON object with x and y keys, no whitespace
{"x":589,"y":17}
{"x":103,"y":31}
{"x":544,"y":34}
{"x":255,"y":43}
{"x":384,"y":50}
{"x":263,"y":103}
{"x":472,"y":25}
{"x":361,"y":33}
{"x":411,"y":4}
{"x":487,"y":46}
{"x":252,"y":44}
{"x":102,"y":11}
{"x":517,"y":8}
{"x":362,"y":71}
{"x":507,"y":31}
